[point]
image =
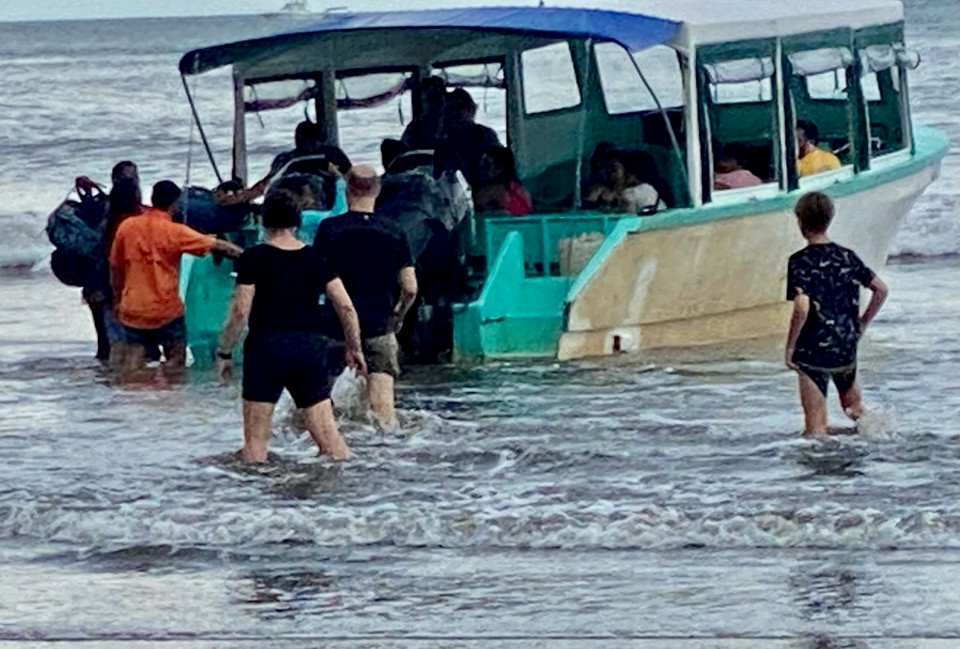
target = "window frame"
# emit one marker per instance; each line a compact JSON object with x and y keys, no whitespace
{"x":527,"y":114}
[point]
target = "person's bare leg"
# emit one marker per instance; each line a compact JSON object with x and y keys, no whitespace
{"x":257,"y":417}
{"x":175,"y":354}
{"x":380,"y":393}
{"x":132,"y":361}
{"x":852,"y":402}
{"x":324,"y":430}
{"x":814,"y":407}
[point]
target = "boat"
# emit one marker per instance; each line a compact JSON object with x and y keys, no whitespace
{"x":669,"y":80}
{"x":300,"y":9}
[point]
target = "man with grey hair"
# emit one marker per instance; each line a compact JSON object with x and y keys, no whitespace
{"x":372,"y":256}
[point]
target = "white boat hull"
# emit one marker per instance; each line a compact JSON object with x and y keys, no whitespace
{"x":719,"y":280}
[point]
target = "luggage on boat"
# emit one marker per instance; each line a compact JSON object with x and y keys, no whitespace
{"x":202,"y":213}
{"x":76,"y":230}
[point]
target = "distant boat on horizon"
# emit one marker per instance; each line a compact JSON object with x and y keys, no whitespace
{"x":299,"y":8}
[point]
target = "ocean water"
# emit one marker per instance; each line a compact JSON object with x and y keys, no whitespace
{"x":661,"y":501}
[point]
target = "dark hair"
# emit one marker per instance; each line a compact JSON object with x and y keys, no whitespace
{"x":125,"y":197}
{"x":307,"y":134}
{"x":809,"y":129}
{"x":165,"y":194}
{"x":295,"y":184}
{"x":460,"y":101}
{"x":280,"y":211}
{"x":122,"y":170}
{"x":814,"y":211}
{"x":433,"y":84}
{"x":733,"y":151}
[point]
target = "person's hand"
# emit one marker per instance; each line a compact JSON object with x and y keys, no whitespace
{"x":355,"y":359}
{"x":334,"y":170}
{"x":395,"y":323}
{"x":225,"y":370}
{"x":788,"y":358}
{"x":863,"y":328}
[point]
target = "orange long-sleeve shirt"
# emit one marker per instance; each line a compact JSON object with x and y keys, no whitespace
{"x":145,"y":258}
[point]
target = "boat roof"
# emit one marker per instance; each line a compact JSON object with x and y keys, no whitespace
{"x":423,"y":38}
{"x":724,"y":21}
{"x":355,"y":40}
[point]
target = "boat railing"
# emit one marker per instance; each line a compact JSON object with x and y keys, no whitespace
{"x":544,"y":236}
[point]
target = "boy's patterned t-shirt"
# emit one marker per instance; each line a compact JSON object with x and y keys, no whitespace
{"x":831,"y":276}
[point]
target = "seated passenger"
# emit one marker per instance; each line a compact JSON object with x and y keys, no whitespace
{"x":622,"y":191}
{"x":307,"y":192}
{"x":424,"y":131}
{"x":462,"y":140}
{"x":811,"y":159}
{"x":729,"y":173}
{"x":498,"y":187}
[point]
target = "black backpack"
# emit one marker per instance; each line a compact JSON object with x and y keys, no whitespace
{"x":76,"y":229}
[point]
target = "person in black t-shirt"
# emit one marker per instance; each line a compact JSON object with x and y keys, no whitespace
{"x":279,"y":288}
{"x":372,"y":256}
{"x":824,"y":282}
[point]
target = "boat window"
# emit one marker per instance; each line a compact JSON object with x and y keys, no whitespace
{"x":741,"y":81}
{"x":828,"y":86}
{"x":486,"y":83}
{"x":624,"y":91}
{"x":549,"y":79}
{"x":884,"y":111}
{"x":371,"y":108}
{"x":871,"y":86}
{"x":884,"y":71}
{"x":744,"y":125}
{"x":273,"y":110}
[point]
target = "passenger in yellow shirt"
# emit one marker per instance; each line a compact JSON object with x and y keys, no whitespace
{"x":811,"y":158}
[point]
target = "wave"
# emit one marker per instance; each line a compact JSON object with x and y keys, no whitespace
{"x":602,"y":525}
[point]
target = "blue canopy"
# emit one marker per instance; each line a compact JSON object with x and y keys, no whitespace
{"x":633,"y":31}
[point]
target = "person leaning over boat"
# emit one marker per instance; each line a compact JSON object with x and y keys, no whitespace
{"x":811,"y":158}
{"x":144,"y":265}
{"x":308,"y":192}
{"x":279,"y":287}
{"x":823,"y":282}
{"x":309,"y":139}
{"x":372,"y":256}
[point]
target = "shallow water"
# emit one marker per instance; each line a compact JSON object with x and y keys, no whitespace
{"x":627,"y":498}
{"x":646,"y":502}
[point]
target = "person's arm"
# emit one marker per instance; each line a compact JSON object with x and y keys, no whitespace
{"x":192,"y":242}
{"x":229,"y":249}
{"x":801,"y":310}
{"x":347,"y":314}
{"x":116,"y":264}
{"x":878,"y":295}
{"x":239,"y":314}
{"x":408,"y":295}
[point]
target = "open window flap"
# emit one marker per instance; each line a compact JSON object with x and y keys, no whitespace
{"x":740,"y":70}
{"x":277,"y":96}
{"x":877,"y":58}
{"x":824,"y":59}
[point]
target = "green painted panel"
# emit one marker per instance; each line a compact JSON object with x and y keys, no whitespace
{"x":206,"y":288}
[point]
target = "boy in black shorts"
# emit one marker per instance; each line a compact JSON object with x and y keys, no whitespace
{"x":824,"y":282}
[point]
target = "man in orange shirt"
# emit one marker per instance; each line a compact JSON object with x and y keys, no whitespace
{"x":145,"y":265}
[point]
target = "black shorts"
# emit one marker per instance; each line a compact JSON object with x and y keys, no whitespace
{"x":843,"y":377}
{"x":295,"y":361}
{"x":170,"y":334}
